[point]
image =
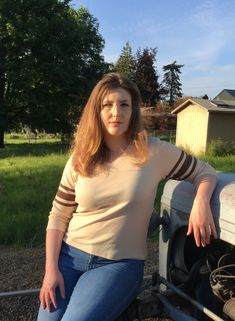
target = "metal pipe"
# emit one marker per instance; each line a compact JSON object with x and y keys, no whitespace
{"x":173,"y":312}
{"x":19,"y":293}
{"x":201,"y":307}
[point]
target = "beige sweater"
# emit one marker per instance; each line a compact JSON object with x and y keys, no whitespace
{"x":108,"y":214}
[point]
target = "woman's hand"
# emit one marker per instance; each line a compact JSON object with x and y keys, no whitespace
{"x":201,"y":222}
{"x":51,"y":281}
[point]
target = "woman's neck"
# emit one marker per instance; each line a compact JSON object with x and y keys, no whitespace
{"x":117,"y":146}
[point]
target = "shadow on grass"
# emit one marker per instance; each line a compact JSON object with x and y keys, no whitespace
{"x":33,"y":149}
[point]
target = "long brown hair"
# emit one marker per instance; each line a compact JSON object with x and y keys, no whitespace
{"x":89,"y":149}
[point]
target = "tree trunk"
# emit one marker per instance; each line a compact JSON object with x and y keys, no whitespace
{"x":2,"y":138}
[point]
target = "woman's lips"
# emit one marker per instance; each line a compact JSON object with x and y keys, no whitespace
{"x":115,"y":123}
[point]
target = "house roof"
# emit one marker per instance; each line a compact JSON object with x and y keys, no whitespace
{"x":226,"y":93}
{"x":212,"y":106}
{"x":231,"y":92}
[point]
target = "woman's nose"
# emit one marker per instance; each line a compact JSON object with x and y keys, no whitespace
{"x":115,"y":110}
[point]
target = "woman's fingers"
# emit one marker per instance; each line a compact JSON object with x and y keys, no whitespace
{"x":53,"y":298}
{"x":197,"y":236}
{"x":213,"y":230}
{"x":48,"y":291}
{"x":41,"y":297}
{"x":62,"y":290}
{"x":190,"y":228}
{"x":201,"y":224}
{"x":208,"y":233}
{"x":205,"y":235}
{"x":48,"y":301}
{"x":194,"y":229}
{"x":48,"y":298}
{"x":202,"y":234}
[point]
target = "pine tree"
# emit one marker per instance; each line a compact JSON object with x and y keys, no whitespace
{"x":171,"y":82}
{"x":126,"y":63}
{"x":146,"y":76}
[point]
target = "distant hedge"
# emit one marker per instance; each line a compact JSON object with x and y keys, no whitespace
{"x":220,"y":147}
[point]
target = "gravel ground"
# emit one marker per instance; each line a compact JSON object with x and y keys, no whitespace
{"x":22,"y":269}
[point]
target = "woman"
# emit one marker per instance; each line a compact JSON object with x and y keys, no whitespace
{"x":96,"y":234}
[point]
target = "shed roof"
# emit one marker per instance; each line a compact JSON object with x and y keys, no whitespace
{"x":213,"y":106}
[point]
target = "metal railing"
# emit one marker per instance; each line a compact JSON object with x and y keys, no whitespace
{"x":4,"y":311}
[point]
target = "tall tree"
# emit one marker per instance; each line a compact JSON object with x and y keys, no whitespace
{"x":171,"y":82}
{"x":126,"y":63}
{"x":50,"y":57}
{"x":146,"y":76}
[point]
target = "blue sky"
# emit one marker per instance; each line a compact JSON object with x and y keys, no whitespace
{"x":197,"y":33}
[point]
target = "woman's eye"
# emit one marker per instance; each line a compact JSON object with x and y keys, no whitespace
{"x":110,"y":105}
{"x":107,"y":105}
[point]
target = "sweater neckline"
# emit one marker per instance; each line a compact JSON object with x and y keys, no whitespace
{"x":124,"y":153}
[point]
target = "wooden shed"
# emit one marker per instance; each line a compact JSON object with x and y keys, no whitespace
{"x":200,"y":120}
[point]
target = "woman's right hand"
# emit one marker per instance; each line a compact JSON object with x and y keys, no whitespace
{"x":51,"y":281}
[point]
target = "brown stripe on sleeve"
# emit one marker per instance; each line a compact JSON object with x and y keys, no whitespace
{"x":65,"y":204}
{"x":67,"y":188}
{"x":192,"y":169}
{"x":176,"y":165}
{"x":183,"y":168}
{"x":65,"y":196}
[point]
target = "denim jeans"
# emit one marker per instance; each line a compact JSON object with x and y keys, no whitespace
{"x":96,"y":289}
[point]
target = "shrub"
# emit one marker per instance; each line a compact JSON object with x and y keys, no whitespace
{"x":219,"y":147}
{"x":15,"y":136}
{"x":159,"y":121}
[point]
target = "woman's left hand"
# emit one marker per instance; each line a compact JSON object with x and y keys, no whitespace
{"x":201,"y":222}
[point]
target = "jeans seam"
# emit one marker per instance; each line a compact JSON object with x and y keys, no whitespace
{"x":89,"y":262}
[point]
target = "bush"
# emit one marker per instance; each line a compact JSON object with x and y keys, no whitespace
{"x":159,"y":121}
{"x":15,"y":136}
{"x":219,"y":147}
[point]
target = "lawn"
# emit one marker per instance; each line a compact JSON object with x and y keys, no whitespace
{"x":29,"y":176}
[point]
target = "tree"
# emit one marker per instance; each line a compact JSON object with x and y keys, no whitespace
{"x":126,"y":63}
{"x":171,"y":82}
{"x":146,"y":76}
{"x":50,"y":58}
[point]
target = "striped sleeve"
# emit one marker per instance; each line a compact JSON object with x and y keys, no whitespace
{"x":64,"y":203}
{"x":177,"y":164}
{"x":183,"y":168}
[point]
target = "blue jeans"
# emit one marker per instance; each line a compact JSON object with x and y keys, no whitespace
{"x":96,"y":289}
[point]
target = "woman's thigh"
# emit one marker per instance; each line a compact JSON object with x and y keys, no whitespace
{"x":103,"y":293}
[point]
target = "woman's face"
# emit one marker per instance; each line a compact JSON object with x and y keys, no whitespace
{"x":116,"y":110}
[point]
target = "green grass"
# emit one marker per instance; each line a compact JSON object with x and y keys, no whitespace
{"x":223,"y":163}
{"x":29,"y":177}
